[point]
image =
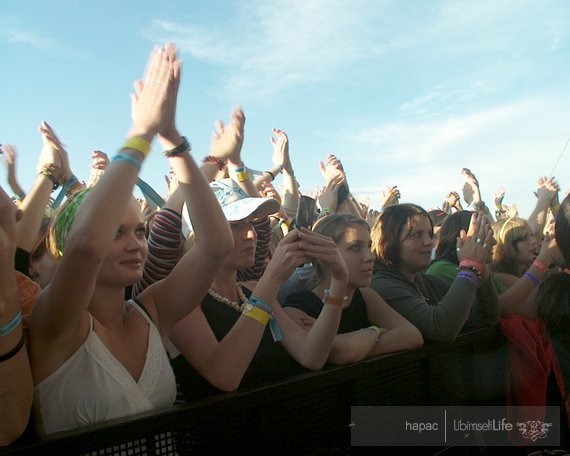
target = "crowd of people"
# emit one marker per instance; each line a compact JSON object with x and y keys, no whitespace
{"x":225,"y":283}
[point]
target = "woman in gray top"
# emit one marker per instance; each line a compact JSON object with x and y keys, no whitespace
{"x":402,"y":241}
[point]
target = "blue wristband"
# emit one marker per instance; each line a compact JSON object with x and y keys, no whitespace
{"x":469,"y":275}
{"x":12,"y":324}
{"x":273,"y":326}
{"x":530,"y":276}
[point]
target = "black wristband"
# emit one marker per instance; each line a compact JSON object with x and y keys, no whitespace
{"x":14,"y":351}
{"x":183,"y":147}
{"x":271,"y":174}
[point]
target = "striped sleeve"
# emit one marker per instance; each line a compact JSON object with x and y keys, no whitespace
{"x":164,"y":246}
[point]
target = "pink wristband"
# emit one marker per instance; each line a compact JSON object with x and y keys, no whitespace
{"x":472,"y":264}
{"x":540,"y":265}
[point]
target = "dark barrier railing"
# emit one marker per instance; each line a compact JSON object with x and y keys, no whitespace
{"x":310,"y":411}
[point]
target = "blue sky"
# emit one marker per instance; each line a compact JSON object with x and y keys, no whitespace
{"x":404,"y":92}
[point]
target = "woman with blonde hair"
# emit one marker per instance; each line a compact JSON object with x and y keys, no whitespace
{"x":368,"y":325}
{"x":95,"y":356}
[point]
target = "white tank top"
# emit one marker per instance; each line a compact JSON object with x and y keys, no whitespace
{"x":93,"y":386}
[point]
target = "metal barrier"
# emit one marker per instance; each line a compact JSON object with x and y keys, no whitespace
{"x":308,"y":411}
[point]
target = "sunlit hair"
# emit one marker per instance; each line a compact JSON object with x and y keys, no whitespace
{"x":508,"y":233}
{"x":335,"y":226}
{"x":388,"y":229}
{"x":553,"y":295}
{"x":447,"y":245}
{"x":61,"y":223}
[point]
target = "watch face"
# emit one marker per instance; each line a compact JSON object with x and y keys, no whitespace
{"x":248,"y":307}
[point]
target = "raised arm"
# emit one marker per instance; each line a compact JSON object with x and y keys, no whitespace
{"x":546,"y":193}
{"x":50,"y":174}
{"x":16,"y":387}
{"x":183,"y":289}
{"x":10,"y":157}
{"x":59,"y":317}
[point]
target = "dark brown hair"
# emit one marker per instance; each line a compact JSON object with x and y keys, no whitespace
{"x":388,"y":229}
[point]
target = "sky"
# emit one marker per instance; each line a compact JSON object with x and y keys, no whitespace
{"x":403,"y":92}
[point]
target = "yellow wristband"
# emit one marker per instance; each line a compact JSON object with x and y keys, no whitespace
{"x":138,"y":144}
{"x":256,"y":313}
{"x":243,"y":176}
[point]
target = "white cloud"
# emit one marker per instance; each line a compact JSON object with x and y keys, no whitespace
{"x":16,"y":35}
{"x":510,"y":145}
{"x":275,"y":45}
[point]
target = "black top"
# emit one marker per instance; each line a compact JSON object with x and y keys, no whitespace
{"x":271,"y":360}
{"x":354,"y":317}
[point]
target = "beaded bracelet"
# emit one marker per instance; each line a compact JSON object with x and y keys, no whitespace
{"x":530,"y":276}
{"x":181,"y":148}
{"x":12,"y":324}
{"x":472,"y":269}
{"x":138,"y":144}
{"x":540,"y":265}
{"x":53,"y":173}
{"x":14,"y":351}
{"x":129,"y":159}
{"x":469,"y":275}
{"x":473,"y":264}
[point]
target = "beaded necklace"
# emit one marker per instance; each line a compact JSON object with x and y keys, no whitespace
{"x":238,"y":306}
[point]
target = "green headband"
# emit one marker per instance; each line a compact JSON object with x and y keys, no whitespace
{"x":65,"y":217}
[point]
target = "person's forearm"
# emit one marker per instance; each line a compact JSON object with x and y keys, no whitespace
{"x":267,"y":176}
{"x":13,"y":181}
{"x":210,"y":226}
{"x":33,"y":209}
{"x":352,"y":347}
{"x":312,"y":349}
{"x":513,"y":299}
{"x":486,"y":307}
{"x":403,"y":337}
{"x":537,"y":219}
{"x":244,"y":182}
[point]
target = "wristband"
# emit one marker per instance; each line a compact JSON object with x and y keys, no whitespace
{"x":271,"y":174}
{"x":53,"y":173}
{"x":540,"y":265}
{"x":375,"y":330}
{"x":326,"y":211}
{"x":471,"y":269}
{"x":12,"y":324}
{"x":129,"y":159}
{"x":530,"y":276}
{"x":273,"y":326}
{"x":469,"y":275}
{"x":14,"y":351}
{"x":242,"y":174}
{"x":21,"y":196}
{"x":472,"y":264}
{"x":138,"y":144}
{"x":554,"y":209}
{"x":256,"y":313}
{"x":328,"y":299}
{"x":181,"y":148}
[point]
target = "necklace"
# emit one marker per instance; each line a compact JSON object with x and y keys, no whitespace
{"x":234,"y":305}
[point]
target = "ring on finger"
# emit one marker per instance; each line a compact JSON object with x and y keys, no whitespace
{"x":458,"y":249}
{"x":478,"y":241}
{"x":485,"y":245}
{"x":153,"y":81}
